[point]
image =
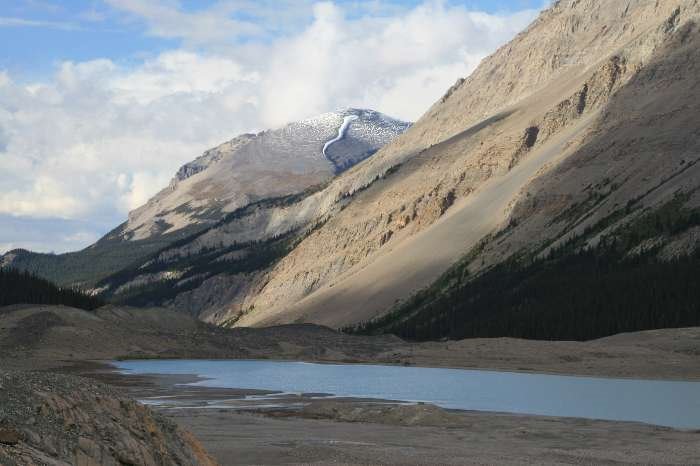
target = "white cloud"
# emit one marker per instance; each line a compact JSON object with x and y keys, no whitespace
{"x":68,"y":140}
{"x":398,"y":64}
{"x":21,"y":22}
{"x":98,"y":137}
{"x":181,"y":72}
{"x":166,"y":19}
{"x":4,"y":78}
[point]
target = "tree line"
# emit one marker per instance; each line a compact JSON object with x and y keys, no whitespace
{"x":575,"y":293}
{"x":22,"y":287}
{"x":582,"y":296}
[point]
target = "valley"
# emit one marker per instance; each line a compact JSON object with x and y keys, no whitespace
{"x":343,"y":218}
{"x":510,"y":279}
{"x":256,"y":426}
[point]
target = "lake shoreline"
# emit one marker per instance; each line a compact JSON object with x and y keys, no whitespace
{"x":664,"y":403}
{"x":346,"y":432}
{"x":583,"y":373}
{"x":236,"y":437}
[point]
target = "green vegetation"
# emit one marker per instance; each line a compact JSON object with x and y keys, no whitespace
{"x":238,"y":258}
{"x":113,"y":254}
{"x":18,"y":287}
{"x":669,"y":220}
{"x":575,"y":293}
{"x":86,"y":267}
{"x":197,"y":268}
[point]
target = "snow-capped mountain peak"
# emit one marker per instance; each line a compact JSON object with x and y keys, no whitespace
{"x":271,"y":163}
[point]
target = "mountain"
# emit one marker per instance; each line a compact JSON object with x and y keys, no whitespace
{"x":300,"y":157}
{"x":269,"y":164}
{"x":566,"y":163}
{"x":576,"y":130}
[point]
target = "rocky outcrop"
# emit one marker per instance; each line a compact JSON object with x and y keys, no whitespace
{"x":51,"y":419}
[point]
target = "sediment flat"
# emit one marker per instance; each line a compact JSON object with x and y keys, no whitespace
{"x":482,"y":438}
{"x":249,"y":427}
{"x":315,"y":429}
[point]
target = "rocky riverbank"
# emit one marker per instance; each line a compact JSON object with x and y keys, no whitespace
{"x":57,"y":419}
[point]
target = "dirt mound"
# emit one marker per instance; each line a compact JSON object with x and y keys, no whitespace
{"x":420,"y":414}
{"x":59,"y":420}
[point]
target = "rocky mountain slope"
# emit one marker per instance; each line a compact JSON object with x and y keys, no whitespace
{"x":269,"y":164}
{"x":581,"y":124}
{"x":579,"y":130}
{"x":585,"y":117}
{"x":291,"y":161}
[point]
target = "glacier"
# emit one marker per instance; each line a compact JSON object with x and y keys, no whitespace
{"x":341,"y":133}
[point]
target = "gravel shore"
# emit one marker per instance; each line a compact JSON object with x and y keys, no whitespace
{"x":237,"y":429}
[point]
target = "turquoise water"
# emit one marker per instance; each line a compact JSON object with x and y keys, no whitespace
{"x":667,"y":403}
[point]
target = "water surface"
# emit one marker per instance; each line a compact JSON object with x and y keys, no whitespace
{"x":667,"y":403}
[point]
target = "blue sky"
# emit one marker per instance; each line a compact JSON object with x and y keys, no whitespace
{"x":38,"y":34}
{"x":66,"y":31}
{"x":102,"y":100}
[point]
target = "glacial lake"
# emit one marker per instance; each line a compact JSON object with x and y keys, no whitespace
{"x":666,"y":403}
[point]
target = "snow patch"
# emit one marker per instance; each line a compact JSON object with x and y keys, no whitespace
{"x":341,"y":132}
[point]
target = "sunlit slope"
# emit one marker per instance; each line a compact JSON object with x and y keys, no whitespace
{"x":521,"y":128}
{"x":405,"y":266}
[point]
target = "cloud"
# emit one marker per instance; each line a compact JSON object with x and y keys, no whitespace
{"x":398,"y":64}
{"x":98,"y":138}
{"x":182,"y":73}
{"x":21,"y":22}
{"x":168,"y":20}
{"x":50,"y":235}
{"x":69,"y":140}
{"x":221,"y":23}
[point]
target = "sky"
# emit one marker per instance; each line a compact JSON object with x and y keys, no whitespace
{"x":102,"y":100}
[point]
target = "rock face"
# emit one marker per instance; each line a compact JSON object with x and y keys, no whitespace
{"x":51,"y":419}
{"x":272,"y":163}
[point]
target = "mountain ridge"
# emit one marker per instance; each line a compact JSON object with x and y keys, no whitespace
{"x":565,"y":67}
{"x":287,"y":161}
{"x":270,"y":163}
{"x":577,"y":127}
